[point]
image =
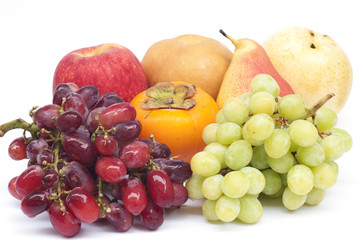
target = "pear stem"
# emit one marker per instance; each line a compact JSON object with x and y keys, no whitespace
{"x":234,"y":41}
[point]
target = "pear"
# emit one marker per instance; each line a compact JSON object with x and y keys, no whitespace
{"x":313,"y":63}
{"x":249,"y":59}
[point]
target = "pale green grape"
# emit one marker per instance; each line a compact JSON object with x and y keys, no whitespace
{"x":333,"y":147}
{"x":205,"y":164}
{"x":278,"y":144}
{"x":325,"y":175}
{"x":235,"y":111}
{"x":311,"y":156}
{"x":262,"y":102}
{"x":209,"y":210}
{"x":325,"y":118}
{"x":246,"y":137}
{"x":259,"y":158}
{"x":211,"y":187}
{"x":260,"y":127}
{"x":303,"y":133}
{"x":209,"y":133}
{"x":282,"y":164}
{"x":219,"y":150}
{"x":235,"y":184}
{"x":264,"y":82}
{"x":220,"y":117}
{"x":238,"y":155}
{"x":291,"y":200}
{"x":315,"y":196}
{"x":194,"y":186}
{"x":300,"y":179}
{"x":345,"y":137}
{"x":273,"y":182}
{"x":228,"y":132}
{"x":227,"y":209}
{"x":291,"y":106}
{"x":278,"y":194}
{"x":251,"y":209}
{"x":293,"y":147}
{"x":334,"y":165}
{"x":257,"y":181}
{"x":245,"y":97}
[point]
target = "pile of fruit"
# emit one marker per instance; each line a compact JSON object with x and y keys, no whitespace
{"x":124,"y":139}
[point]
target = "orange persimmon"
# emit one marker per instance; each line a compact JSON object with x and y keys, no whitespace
{"x":176,"y":114}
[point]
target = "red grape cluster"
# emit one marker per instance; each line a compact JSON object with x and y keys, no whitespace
{"x":87,"y":163}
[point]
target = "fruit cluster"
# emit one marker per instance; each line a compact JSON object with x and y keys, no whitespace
{"x":86,"y":163}
{"x":265,"y":144}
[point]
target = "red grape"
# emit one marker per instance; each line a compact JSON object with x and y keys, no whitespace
{"x":60,"y":92}
{"x":107,"y":99}
{"x":78,"y":176}
{"x":69,"y":121}
{"x":90,"y":94}
{"x":135,"y":154}
{"x":76,"y":103}
{"x":127,"y":130}
{"x":83,"y":205}
{"x":12,"y":189}
{"x":35,"y":203}
{"x":120,"y":217}
{"x":110,"y":169}
{"x":64,"y":222}
{"x":50,"y":178}
{"x":34,"y":147}
{"x":92,"y":121}
{"x":45,"y":116}
{"x":80,"y":148}
{"x":160,"y":188}
{"x":116,"y":113}
{"x":133,"y":195}
{"x":177,"y":170}
{"x":45,"y":156}
{"x":152,"y":216}
{"x":106,"y":145}
{"x":29,"y":180}
{"x":180,"y":194}
{"x":17,"y":149}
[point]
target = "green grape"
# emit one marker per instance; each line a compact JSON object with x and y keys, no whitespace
{"x":209,"y":133}
{"x":238,"y":155}
{"x":260,"y":127}
{"x":334,"y":165}
{"x":300,"y":179}
{"x":227,"y":209}
{"x":291,"y":200}
{"x":278,"y":144}
{"x":273,"y":182}
{"x":262,"y":102}
{"x":303,"y":133}
{"x":332,"y":146}
{"x":235,"y":111}
{"x":245,"y":97}
{"x":325,"y":118}
{"x":259,"y":158}
{"x":325,"y":175}
{"x":256,"y":179}
{"x":220,"y":117}
{"x":219,"y":150}
{"x":211,"y":187}
{"x":282,"y":164}
{"x":264,"y":82}
{"x":251,"y":209}
{"x":246,"y":137}
{"x":209,"y":210}
{"x":291,"y":106}
{"x":228,"y":132}
{"x":194,"y":186}
{"x":311,"y":156}
{"x":315,"y":196}
{"x":205,"y":164}
{"x":345,"y":137}
{"x":235,"y":184}
{"x":279,"y":193}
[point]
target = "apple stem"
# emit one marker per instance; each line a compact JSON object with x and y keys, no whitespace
{"x":235,"y":42}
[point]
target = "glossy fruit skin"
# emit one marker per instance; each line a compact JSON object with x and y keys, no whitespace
{"x":110,"y":169}
{"x":79,"y":176}
{"x":64,"y":222}
{"x":29,"y":180}
{"x":17,"y":149}
{"x":35,"y":203}
{"x":160,"y":188}
{"x":180,"y":194}
{"x":127,"y":130}
{"x":135,"y":154}
{"x":180,"y":129}
{"x":120,"y":217}
{"x":34,"y":147}
{"x":116,"y":113}
{"x":152,"y":216}
{"x":44,"y":116}
{"x":106,"y":145}
{"x":80,"y":148}
{"x":12,"y":190}
{"x":83,"y":205}
{"x":120,"y":71}
{"x":134,"y":195}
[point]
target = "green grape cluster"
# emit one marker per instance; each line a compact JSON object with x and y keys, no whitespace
{"x":262,"y":143}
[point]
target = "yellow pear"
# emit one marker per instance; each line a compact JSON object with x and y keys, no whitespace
{"x":313,"y":64}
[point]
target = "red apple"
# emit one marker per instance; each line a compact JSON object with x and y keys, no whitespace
{"x":109,"y":67}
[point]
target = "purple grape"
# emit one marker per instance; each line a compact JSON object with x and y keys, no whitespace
{"x":177,"y":170}
{"x":90,"y":95}
{"x":92,"y":121}
{"x":45,"y":116}
{"x":120,"y":217}
{"x":75,"y":102}
{"x":45,"y":155}
{"x":78,"y":176}
{"x":69,"y":121}
{"x":60,"y":92}
{"x":80,"y":148}
{"x":34,"y":147}
{"x":152,"y":216}
{"x":107,"y":99}
{"x":127,"y":130}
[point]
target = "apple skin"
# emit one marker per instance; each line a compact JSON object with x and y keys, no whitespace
{"x":313,"y":64}
{"x":109,"y":67}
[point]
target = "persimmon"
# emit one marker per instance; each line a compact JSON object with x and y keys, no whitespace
{"x":175,"y":113}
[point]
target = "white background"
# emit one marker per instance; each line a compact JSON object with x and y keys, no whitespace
{"x":35,"y":35}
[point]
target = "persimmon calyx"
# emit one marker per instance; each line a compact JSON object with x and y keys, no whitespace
{"x":168,"y":95}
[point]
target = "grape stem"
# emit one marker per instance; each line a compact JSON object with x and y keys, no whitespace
{"x":312,"y":111}
{"x":21,"y":124}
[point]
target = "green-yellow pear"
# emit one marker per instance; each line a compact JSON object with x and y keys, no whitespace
{"x":313,"y":64}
